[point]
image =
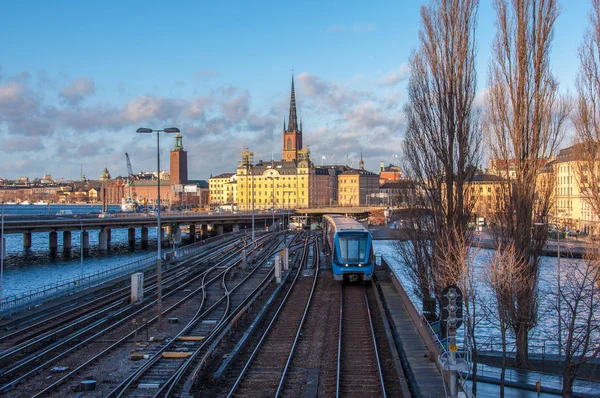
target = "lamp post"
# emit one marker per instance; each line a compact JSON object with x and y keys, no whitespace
{"x":158,"y":229}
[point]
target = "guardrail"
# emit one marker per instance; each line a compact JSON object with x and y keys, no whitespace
{"x":65,"y":287}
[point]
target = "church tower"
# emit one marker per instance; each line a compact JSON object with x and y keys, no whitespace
{"x":179,"y":166}
{"x":292,"y":136}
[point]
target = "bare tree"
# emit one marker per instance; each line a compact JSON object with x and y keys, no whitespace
{"x":458,"y":267}
{"x":586,"y":116}
{"x":525,"y":117}
{"x":505,"y":277}
{"x":579,"y":300}
{"x":443,"y":133}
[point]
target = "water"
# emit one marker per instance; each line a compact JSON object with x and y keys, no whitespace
{"x":543,"y":336}
{"x":26,"y":269}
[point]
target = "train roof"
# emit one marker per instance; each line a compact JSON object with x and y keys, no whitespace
{"x":345,"y":223}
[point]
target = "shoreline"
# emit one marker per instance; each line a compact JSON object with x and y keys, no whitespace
{"x":568,"y":248}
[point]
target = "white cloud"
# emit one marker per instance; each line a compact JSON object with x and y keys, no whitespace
{"x":395,"y":76}
{"x":80,"y":88}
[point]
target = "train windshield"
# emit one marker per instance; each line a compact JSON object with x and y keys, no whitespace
{"x":353,"y":247}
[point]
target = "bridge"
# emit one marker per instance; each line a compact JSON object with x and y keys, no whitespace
{"x":171,"y":222}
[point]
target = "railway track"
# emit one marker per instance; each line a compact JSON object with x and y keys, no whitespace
{"x":265,"y":370}
{"x":359,"y":371}
{"x":163,"y":373}
{"x":87,"y":308}
{"x":183,"y":284}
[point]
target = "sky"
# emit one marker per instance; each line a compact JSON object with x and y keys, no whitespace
{"x":77,"y":79}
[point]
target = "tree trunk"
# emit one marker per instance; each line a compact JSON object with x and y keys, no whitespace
{"x":475,"y":361}
{"x":522,"y":346}
{"x":568,"y":378}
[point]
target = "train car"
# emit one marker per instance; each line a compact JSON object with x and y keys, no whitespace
{"x":351,"y":246}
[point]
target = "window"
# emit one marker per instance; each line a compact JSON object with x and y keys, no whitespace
{"x":289,"y":144}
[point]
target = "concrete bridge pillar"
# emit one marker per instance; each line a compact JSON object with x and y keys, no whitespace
{"x":103,"y":240}
{"x":161,"y":235}
{"x":108,"y":235}
{"x":167,"y":229}
{"x":53,"y":240}
{"x":131,"y":236}
{"x":144,"y":236}
{"x":236,"y":227}
{"x":26,"y":240}
{"x":67,"y":244}
{"x":177,"y":234}
{"x":219,"y":229}
{"x":85,"y":240}
{"x":193,"y":232}
{"x":204,"y":231}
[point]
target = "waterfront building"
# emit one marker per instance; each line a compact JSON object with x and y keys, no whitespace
{"x":485,"y":192}
{"x":389,"y":173}
{"x":400,"y":193}
{"x":223,"y":189}
{"x":294,"y":182}
{"x":356,"y":186}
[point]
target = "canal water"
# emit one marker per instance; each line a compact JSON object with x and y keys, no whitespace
{"x":27,"y":269}
{"x":543,"y":336}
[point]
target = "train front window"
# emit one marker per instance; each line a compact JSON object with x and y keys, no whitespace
{"x":353,"y":247}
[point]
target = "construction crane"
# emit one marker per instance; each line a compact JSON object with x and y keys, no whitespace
{"x":130,"y":177}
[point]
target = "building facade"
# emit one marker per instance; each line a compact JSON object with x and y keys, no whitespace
{"x":223,"y":189}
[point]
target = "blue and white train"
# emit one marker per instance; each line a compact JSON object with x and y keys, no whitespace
{"x":351,"y":245}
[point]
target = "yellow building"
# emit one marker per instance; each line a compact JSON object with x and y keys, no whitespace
{"x":292,"y":184}
{"x":222,"y":189}
{"x":485,"y":193}
{"x":355,"y":186}
{"x":571,"y":208}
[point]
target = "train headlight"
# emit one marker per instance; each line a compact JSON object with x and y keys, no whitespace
{"x":346,"y":265}
{"x":360,"y":265}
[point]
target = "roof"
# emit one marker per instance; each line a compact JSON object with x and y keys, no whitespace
{"x":343,"y":223}
{"x":483,"y":177}
{"x":224,"y":175}
{"x":358,"y":171}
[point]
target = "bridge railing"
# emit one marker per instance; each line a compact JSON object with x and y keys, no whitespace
{"x":47,"y":292}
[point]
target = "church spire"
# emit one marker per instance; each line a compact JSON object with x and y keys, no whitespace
{"x":293,"y":120}
{"x":284,"y":123}
{"x":361,"y":164}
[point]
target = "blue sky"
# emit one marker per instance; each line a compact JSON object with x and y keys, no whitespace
{"x":78,"y":78}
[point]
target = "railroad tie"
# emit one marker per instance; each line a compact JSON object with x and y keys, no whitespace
{"x":191,"y":338}
{"x":176,"y":355}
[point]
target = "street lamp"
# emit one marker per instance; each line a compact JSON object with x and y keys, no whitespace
{"x":158,"y":229}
